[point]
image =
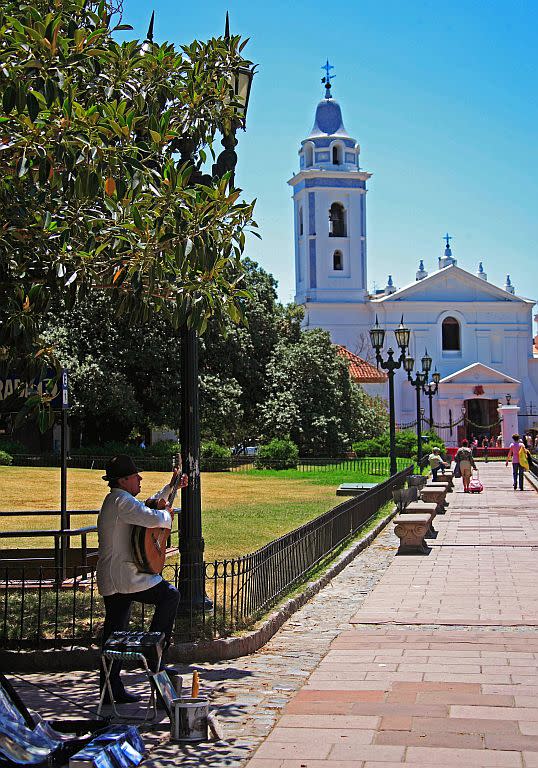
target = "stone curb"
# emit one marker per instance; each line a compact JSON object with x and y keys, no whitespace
{"x":532,"y":480}
{"x":55,"y":660}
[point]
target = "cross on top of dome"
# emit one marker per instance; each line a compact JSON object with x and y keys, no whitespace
{"x":327,"y":79}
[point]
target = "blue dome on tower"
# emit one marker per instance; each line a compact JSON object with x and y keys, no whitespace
{"x":328,"y":146}
{"x":328,"y":120}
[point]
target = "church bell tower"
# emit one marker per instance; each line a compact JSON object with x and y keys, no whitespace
{"x":329,"y":202}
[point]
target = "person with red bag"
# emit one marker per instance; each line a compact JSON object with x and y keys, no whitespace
{"x":464,"y":460}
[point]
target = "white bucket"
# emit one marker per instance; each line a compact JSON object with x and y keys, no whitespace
{"x":189,"y":722}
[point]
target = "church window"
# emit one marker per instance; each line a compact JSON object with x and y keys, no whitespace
{"x":309,"y":155}
{"x":337,"y":155}
{"x":451,"y":335}
{"x":337,"y":221}
{"x":301,"y":226}
{"x":338,"y":261}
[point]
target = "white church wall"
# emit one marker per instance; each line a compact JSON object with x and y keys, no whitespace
{"x":348,"y":324}
{"x":495,"y":326}
{"x":377,"y":390}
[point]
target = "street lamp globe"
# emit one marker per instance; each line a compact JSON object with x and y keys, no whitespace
{"x":426,"y":362}
{"x":402,"y":335}
{"x":436,"y":376}
{"x":409,"y":364}
{"x":377,"y":336}
{"x":421,"y":378}
{"x":242,"y":83}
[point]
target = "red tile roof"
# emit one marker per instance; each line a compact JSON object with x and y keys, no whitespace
{"x":360,"y":370}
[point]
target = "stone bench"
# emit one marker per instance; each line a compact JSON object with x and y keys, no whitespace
{"x":411,"y":529}
{"x":354,"y":489}
{"x":435,"y":493}
{"x":420,"y":508}
{"x":447,"y":479}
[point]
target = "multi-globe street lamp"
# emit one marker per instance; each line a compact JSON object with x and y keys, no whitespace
{"x":377,"y":339}
{"x":418,"y":383}
{"x":430,"y":390}
{"x":191,"y":542}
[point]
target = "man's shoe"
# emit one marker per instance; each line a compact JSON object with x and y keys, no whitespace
{"x":122,"y":697}
{"x":127,"y":698}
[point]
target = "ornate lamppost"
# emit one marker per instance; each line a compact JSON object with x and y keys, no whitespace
{"x":191,"y":542}
{"x":430,"y":390}
{"x":418,"y":383}
{"x":377,"y":338}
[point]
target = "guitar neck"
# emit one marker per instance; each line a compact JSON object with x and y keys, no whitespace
{"x":176,"y":484}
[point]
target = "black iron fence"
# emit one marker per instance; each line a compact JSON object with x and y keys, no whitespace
{"x":39,"y":609}
{"x":378,"y":465}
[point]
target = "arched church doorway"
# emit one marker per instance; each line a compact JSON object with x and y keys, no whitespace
{"x":481,"y":418}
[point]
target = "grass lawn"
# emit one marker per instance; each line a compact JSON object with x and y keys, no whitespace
{"x":242,"y":511}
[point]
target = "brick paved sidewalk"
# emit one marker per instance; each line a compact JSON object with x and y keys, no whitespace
{"x":439,"y":666}
{"x":248,"y":693}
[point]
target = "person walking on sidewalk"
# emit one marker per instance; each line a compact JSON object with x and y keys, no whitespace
{"x":518,"y":453}
{"x":464,"y":457}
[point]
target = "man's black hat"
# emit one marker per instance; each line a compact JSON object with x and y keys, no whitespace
{"x":120,"y":466}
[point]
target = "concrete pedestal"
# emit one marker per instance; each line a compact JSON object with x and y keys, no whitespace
{"x":509,"y":424}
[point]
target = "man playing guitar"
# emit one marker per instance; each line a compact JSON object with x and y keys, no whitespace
{"x":119,"y":581}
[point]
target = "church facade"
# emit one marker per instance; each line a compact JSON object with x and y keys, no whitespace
{"x":479,"y":336}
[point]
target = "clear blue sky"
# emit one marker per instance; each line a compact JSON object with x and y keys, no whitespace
{"x":442,"y":99}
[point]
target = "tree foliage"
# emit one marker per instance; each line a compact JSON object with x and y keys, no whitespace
{"x":310,"y":399}
{"x":370,"y":414}
{"x":123,"y":376}
{"x":126,"y":375}
{"x":277,"y":454}
{"x":235,"y":364}
{"x":100,"y":188}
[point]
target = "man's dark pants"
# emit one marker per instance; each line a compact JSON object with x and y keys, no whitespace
{"x":517,"y":470}
{"x":163,"y":596}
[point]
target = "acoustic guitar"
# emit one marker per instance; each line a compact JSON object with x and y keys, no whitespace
{"x":149,"y":544}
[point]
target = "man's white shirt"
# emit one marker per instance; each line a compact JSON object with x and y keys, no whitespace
{"x":116,"y":569}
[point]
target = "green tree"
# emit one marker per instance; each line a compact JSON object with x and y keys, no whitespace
{"x":236,"y":362}
{"x":311,"y":395}
{"x":126,"y":375}
{"x":370,"y":415}
{"x":99,"y":174}
{"x":123,"y":375}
